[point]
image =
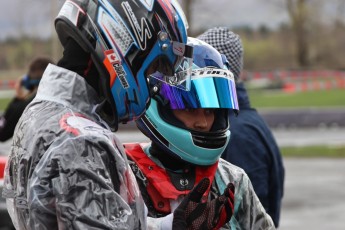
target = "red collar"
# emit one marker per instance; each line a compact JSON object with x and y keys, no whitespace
{"x":159,"y":178}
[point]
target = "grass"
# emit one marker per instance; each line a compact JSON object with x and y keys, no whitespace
{"x":325,"y":98}
{"x":314,"y":151}
{"x":3,"y":103}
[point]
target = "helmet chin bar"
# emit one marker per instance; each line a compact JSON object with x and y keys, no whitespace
{"x":210,"y":140}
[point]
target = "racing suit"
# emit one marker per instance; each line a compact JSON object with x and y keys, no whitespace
{"x":67,"y":170}
{"x":162,"y":196}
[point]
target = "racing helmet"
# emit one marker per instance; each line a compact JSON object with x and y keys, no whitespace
{"x":126,"y":40}
{"x":212,"y":86}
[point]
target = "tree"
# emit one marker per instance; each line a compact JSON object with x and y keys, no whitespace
{"x":299,"y":16}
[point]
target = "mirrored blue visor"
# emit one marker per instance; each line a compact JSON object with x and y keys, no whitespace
{"x":209,"y":88}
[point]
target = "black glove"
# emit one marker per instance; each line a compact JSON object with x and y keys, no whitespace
{"x":193,"y":214}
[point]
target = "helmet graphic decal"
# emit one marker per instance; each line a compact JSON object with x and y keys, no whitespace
{"x":115,"y":31}
{"x":167,"y":7}
{"x":142,"y":32}
{"x":113,"y":65}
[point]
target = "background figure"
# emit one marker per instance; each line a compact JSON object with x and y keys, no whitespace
{"x":25,"y":88}
{"x":252,"y":145}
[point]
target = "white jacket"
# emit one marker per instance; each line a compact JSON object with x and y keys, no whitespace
{"x":66,"y":170}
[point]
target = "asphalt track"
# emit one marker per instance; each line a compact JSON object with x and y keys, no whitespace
{"x":314,"y":194}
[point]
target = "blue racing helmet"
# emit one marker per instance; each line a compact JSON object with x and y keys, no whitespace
{"x":127,"y":40}
{"x":212,"y":85}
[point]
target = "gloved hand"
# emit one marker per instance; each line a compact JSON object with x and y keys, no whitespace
{"x":192,"y":214}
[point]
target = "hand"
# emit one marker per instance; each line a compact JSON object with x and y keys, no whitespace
{"x":193,"y":214}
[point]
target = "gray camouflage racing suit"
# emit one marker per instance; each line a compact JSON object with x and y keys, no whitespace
{"x":66,"y":170}
{"x":249,"y":214}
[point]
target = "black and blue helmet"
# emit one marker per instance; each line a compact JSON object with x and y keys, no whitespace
{"x":127,"y":39}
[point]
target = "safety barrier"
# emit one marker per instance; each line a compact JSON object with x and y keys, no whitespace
{"x":292,"y":80}
{"x":296,"y":81}
{"x":314,"y":85}
{"x":293,"y":75}
{"x":7,"y":84}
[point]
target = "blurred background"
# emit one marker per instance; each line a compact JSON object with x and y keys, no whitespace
{"x":294,"y":69}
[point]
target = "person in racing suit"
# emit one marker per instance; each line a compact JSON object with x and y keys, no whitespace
{"x":67,"y":169}
{"x":189,"y":129}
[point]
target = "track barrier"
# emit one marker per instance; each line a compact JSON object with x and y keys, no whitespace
{"x":298,"y":81}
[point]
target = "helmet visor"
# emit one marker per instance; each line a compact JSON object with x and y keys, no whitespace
{"x":209,"y":88}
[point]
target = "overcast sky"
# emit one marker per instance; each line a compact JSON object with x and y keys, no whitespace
{"x":253,"y":13}
{"x":35,"y":17}
{"x":31,"y":17}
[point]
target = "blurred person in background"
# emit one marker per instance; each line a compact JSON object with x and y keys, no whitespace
{"x":25,"y":91}
{"x":252,"y":145}
{"x":189,"y":129}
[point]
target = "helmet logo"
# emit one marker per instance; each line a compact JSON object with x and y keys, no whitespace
{"x":178,"y":48}
{"x":184,"y":182}
{"x":112,"y":57}
{"x":112,"y":61}
{"x":214,"y":72}
{"x":115,"y":31}
{"x":142,"y":31}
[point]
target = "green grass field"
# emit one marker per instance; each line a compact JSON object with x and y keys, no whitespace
{"x":278,"y":99}
{"x":3,"y":103}
{"x":314,"y":151}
